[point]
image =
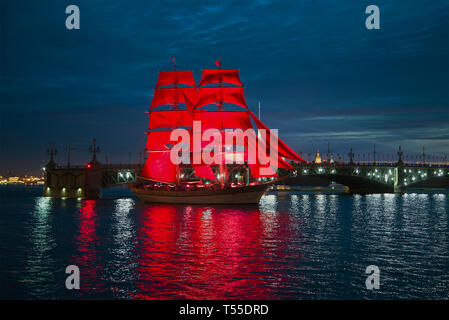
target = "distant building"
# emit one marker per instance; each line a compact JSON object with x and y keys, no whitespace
{"x":318,"y":158}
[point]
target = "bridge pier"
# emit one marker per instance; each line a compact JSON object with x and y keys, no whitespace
{"x":93,"y":183}
{"x":399,"y":189}
{"x":80,"y":182}
{"x":73,"y":182}
{"x":362,"y":185}
{"x":64,"y":182}
{"x":86,"y":181}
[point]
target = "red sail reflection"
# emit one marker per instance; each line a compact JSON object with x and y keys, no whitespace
{"x":208,"y":253}
{"x":87,"y":240}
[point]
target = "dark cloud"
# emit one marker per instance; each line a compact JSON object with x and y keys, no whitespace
{"x":319,"y":73}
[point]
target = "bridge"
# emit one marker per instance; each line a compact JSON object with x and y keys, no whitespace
{"x":379,"y":177}
{"x":86,"y":181}
{"x":89,"y":180}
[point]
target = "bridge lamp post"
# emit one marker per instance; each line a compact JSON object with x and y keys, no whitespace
{"x":351,"y":156}
{"x":52,"y":151}
{"x":400,"y":154}
{"x":94,"y":149}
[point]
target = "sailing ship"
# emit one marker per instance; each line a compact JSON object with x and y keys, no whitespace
{"x":218,"y":102}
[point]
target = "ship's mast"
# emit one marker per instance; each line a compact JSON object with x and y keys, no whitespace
{"x":220,"y":108}
{"x":175,"y":107}
{"x":220,"y":84}
{"x":175,"y":104}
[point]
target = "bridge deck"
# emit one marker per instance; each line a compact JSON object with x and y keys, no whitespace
{"x":88,"y":181}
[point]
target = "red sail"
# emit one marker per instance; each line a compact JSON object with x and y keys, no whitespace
{"x":158,"y":140}
{"x":159,"y":167}
{"x":172,"y":95}
{"x":251,"y":148}
{"x":223,"y":119}
{"x":189,"y":103}
{"x":175,"y":77}
{"x":210,"y":76}
{"x":284,"y":164}
{"x":256,"y":171}
{"x":221,"y":94}
{"x":229,"y":139}
{"x":204,"y":171}
{"x":223,"y":158}
{"x":171,"y":118}
{"x":283,"y":149}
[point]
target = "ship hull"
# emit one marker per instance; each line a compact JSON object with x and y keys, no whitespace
{"x":241,"y":195}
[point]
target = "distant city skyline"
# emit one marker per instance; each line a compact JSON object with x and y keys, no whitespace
{"x":319,"y":74}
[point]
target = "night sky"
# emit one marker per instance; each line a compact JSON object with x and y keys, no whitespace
{"x":319,"y":73}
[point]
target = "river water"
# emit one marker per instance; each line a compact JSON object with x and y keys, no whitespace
{"x":293,"y":245}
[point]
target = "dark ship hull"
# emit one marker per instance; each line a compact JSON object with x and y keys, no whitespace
{"x":238,"y":195}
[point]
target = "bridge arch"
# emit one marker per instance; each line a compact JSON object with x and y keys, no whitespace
{"x":358,"y":184}
{"x":375,"y":178}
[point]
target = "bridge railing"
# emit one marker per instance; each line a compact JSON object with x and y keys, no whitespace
{"x":61,"y":167}
{"x":370,"y":164}
{"x":122,"y":166}
{"x":104,"y":166}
